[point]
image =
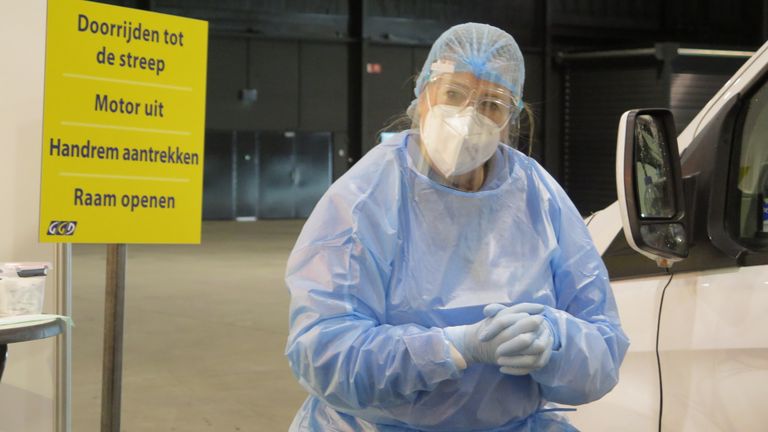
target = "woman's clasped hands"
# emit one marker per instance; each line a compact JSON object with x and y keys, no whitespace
{"x":517,"y":338}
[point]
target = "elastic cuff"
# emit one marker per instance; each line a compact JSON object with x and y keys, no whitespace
{"x":552,"y":323}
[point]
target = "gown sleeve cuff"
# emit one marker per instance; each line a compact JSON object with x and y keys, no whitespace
{"x":431,"y":353}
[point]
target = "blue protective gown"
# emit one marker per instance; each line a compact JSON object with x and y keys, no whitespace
{"x":389,"y":257}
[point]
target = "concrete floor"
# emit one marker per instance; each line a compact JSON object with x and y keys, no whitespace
{"x":205,"y":328}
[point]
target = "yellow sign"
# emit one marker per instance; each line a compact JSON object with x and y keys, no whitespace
{"x":124,"y":123}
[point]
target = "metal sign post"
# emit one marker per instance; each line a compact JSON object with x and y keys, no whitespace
{"x":64,"y":343}
{"x":112,"y":372}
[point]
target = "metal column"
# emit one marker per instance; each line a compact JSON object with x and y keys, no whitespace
{"x":112,"y":374}
{"x":356,"y":103}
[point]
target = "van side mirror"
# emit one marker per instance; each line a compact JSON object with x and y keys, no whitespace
{"x":650,"y":186}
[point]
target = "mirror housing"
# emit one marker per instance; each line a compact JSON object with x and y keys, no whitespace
{"x":650,"y":187}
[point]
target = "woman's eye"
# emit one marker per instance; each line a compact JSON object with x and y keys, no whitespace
{"x":453,"y":95}
{"x":489,"y":106}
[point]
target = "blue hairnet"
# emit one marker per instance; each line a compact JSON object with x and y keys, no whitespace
{"x":486,"y":51}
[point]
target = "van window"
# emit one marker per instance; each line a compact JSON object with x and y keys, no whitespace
{"x":752,"y":181}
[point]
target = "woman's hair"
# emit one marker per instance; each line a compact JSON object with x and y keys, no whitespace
{"x":520,"y":135}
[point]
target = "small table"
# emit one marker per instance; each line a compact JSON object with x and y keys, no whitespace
{"x":29,"y":331}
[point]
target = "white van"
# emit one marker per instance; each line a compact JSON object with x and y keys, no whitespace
{"x":697,"y":310}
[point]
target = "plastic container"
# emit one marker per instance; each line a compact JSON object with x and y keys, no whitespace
{"x":22,"y":288}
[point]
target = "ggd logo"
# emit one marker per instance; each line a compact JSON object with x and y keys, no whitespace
{"x":62,"y":228}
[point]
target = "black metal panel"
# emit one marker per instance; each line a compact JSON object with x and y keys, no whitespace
{"x":714,"y":22}
{"x":227,"y":74}
{"x":312,"y":171}
{"x":323,"y":92}
{"x":403,"y":31}
{"x":690,"y":92}
{"x":276,"y":161}
{"x":421,"y":22}
{"x":218,"y":177}
{"x":596,"y":93}
{"x":247,"y":177}
{"x":625,"y":14}
{"x":274,"y":73}
{"x":389,"y":92}
{"x":295,"y":18}
{"x":269,"y":67}
{"x":258,"y":7}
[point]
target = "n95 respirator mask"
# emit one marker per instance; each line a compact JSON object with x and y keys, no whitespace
{"x":458,"y":140}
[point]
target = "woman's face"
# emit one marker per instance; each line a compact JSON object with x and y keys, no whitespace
{"x":462,"y":90}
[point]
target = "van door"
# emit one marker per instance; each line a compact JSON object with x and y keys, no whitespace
{"x":713,"y":342}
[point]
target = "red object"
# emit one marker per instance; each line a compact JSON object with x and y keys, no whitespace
{"x":373,"y":68}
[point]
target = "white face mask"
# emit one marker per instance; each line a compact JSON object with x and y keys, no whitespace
{"x":457,"y":139}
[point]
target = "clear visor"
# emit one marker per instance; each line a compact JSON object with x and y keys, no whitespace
{"x":494,"y":102}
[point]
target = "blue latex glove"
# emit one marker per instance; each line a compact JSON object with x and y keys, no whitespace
{"x":529,"y":341}
{"x":480,"y":342}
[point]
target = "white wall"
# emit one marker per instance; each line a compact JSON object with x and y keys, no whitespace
{"x":28,"y":386}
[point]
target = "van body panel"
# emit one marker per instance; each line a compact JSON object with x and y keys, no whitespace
{"x":714,"y":350}
{"x":633,"y":404}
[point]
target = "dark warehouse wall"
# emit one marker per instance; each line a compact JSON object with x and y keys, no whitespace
{"x":308,"y":62}
{"x":301,"y":85}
